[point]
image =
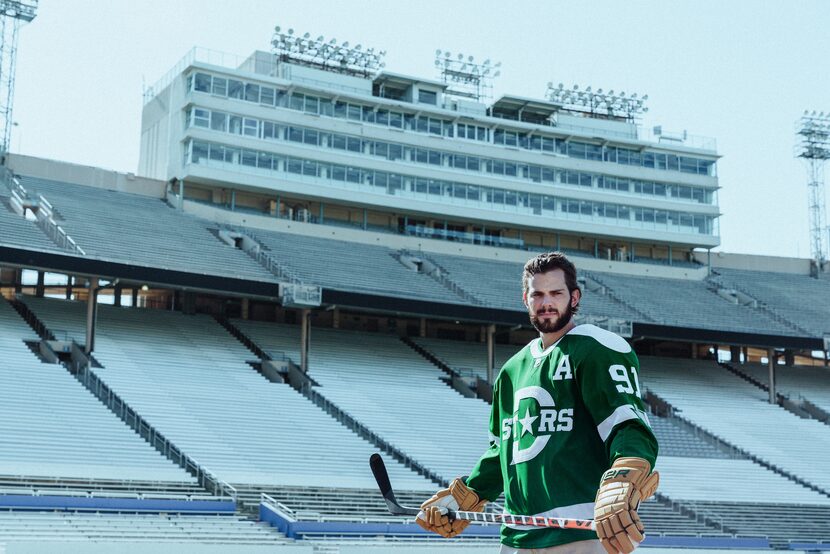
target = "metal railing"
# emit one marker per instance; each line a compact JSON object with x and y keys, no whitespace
{"x":48,"y":225}
{"x":441,"y":275}
{"x":347,"y":420}
{"x":206,"y":478}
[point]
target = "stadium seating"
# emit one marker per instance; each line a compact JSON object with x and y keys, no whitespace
{"x":499,"y":284}
{"x":149,"y":232}
{"x":678,"y":441}
{"x":688,"y":303}
{"x":723,"y":480}
{"x":188,"y":377}
{"x":114,"y":527}
{"x":466,"y":357}
{"x":51,"y":426}
{"x":740,"y":414}
{"x":811,"y":383}
{"x":799,"y":298}
{"x":366,"y":375}
{"x":352,"y":266}
{"x":19,"y":232}
{"x":782,"y":523}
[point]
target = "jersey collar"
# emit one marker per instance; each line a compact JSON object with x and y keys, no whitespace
{"x":536,"y":345}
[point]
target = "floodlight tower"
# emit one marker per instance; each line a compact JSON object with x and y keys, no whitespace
{"x":326,"y":54}
{"x":12,"y":13}
{"x":598,"y":103}
{"x":466,"y":76}
{"x":813,"y":145}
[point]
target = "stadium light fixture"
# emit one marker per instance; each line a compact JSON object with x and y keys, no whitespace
{"x":326,"y":55}
{"x":467,"y":77}
{"x":597,"y":102}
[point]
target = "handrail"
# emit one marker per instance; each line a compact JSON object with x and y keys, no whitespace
{"x":205,"y":477}
{"x":349,"y":421}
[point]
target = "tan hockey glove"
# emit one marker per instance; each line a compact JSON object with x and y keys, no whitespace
{"x":615,"y":510}
{"x":434,"y":514}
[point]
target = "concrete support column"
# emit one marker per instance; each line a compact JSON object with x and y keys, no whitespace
{"x":423,"y":330}
{"x":117,"y":291}
{"x":789,"y":357}
{"x":735,"y":352}
{"x":771,"y":364}
{"x":91,"y":315}
{"x":135,"y":297}
{"x":246,"y":308}
{"x":694,"y":350}
{"x":40,"y":288}
{"x":69,"y":281}
{"x":305,"y":338}
{"x":491,"y":352}
{"x":335,"y":318}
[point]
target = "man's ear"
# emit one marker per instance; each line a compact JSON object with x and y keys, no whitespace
{"x":576,"y":296}
{"x":524,"y":299}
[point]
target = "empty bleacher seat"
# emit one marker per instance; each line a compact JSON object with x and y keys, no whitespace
{"x":187,"y":376}
{"x":50,"y":425}
{"x":141,"y":230}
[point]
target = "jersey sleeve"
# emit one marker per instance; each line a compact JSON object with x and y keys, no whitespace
{"x":609,"y":382}
{"x":486,"y":478}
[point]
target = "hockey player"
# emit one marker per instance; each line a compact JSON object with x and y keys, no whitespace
{"x":569,"y":434}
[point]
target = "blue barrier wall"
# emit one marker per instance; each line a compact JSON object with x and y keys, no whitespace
{"x":82,"y":503}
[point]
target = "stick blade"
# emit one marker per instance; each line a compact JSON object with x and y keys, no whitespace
{"x":380,"y":473}
{"x":385,"y":486}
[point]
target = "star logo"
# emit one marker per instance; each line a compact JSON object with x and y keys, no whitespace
{"x":527,"y":422}
{"x":544,"y":400}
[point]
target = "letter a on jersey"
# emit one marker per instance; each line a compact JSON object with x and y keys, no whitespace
{"x":563,"y":371}
{"x":544,"y":400}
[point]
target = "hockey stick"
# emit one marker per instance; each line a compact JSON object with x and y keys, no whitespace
{"x":396,"y":509}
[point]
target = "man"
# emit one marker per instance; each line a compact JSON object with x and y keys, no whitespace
{"x":569,"y":434}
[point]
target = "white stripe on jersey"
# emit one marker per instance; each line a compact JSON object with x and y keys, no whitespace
{"x":622,"y":413}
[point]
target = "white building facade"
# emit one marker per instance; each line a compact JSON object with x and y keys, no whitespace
{"x":399,"y":153}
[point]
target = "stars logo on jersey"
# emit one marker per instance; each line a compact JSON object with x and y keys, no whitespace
{"x":535,"y":419}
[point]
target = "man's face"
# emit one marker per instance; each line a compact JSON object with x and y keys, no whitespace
{"x":548,"y":302}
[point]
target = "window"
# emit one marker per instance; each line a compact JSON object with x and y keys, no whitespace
{"x":270,"y":131}
{"x":311,"y":137}
{"x":201,"y":118}
{"x":427,"y":97}
{"x":220,"y":86}
{"x":266,"y":96}
{"x":312,"y":104}
{"x":249,"y":158}
{"x":200,"y":151}
{"x":235,"y":89}
{"x":202,"y":82}
{"x":250,"y":127}
{"x":252,"y":92}
{"x":218,"y":121}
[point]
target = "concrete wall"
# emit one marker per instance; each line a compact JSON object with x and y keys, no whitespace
{"x":776,"y":264}
{"x":86,"y":175}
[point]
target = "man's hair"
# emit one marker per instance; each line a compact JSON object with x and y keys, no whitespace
{"x":548,"y":262}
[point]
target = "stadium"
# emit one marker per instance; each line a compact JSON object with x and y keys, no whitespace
{"x":316,"y":251}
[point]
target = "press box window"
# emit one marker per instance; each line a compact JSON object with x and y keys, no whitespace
{"x":427,"y":97}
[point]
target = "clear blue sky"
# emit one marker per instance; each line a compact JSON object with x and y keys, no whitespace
{"x":739,"y":71}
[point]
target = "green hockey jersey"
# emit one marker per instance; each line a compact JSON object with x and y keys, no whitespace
{"x":560,"y":416}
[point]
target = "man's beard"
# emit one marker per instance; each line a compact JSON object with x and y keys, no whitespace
{"x":552,"y":325}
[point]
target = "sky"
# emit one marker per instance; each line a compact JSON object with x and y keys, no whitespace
{"x":741,"y":72}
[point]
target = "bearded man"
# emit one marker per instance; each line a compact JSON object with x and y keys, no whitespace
{"x":570,"y":436}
